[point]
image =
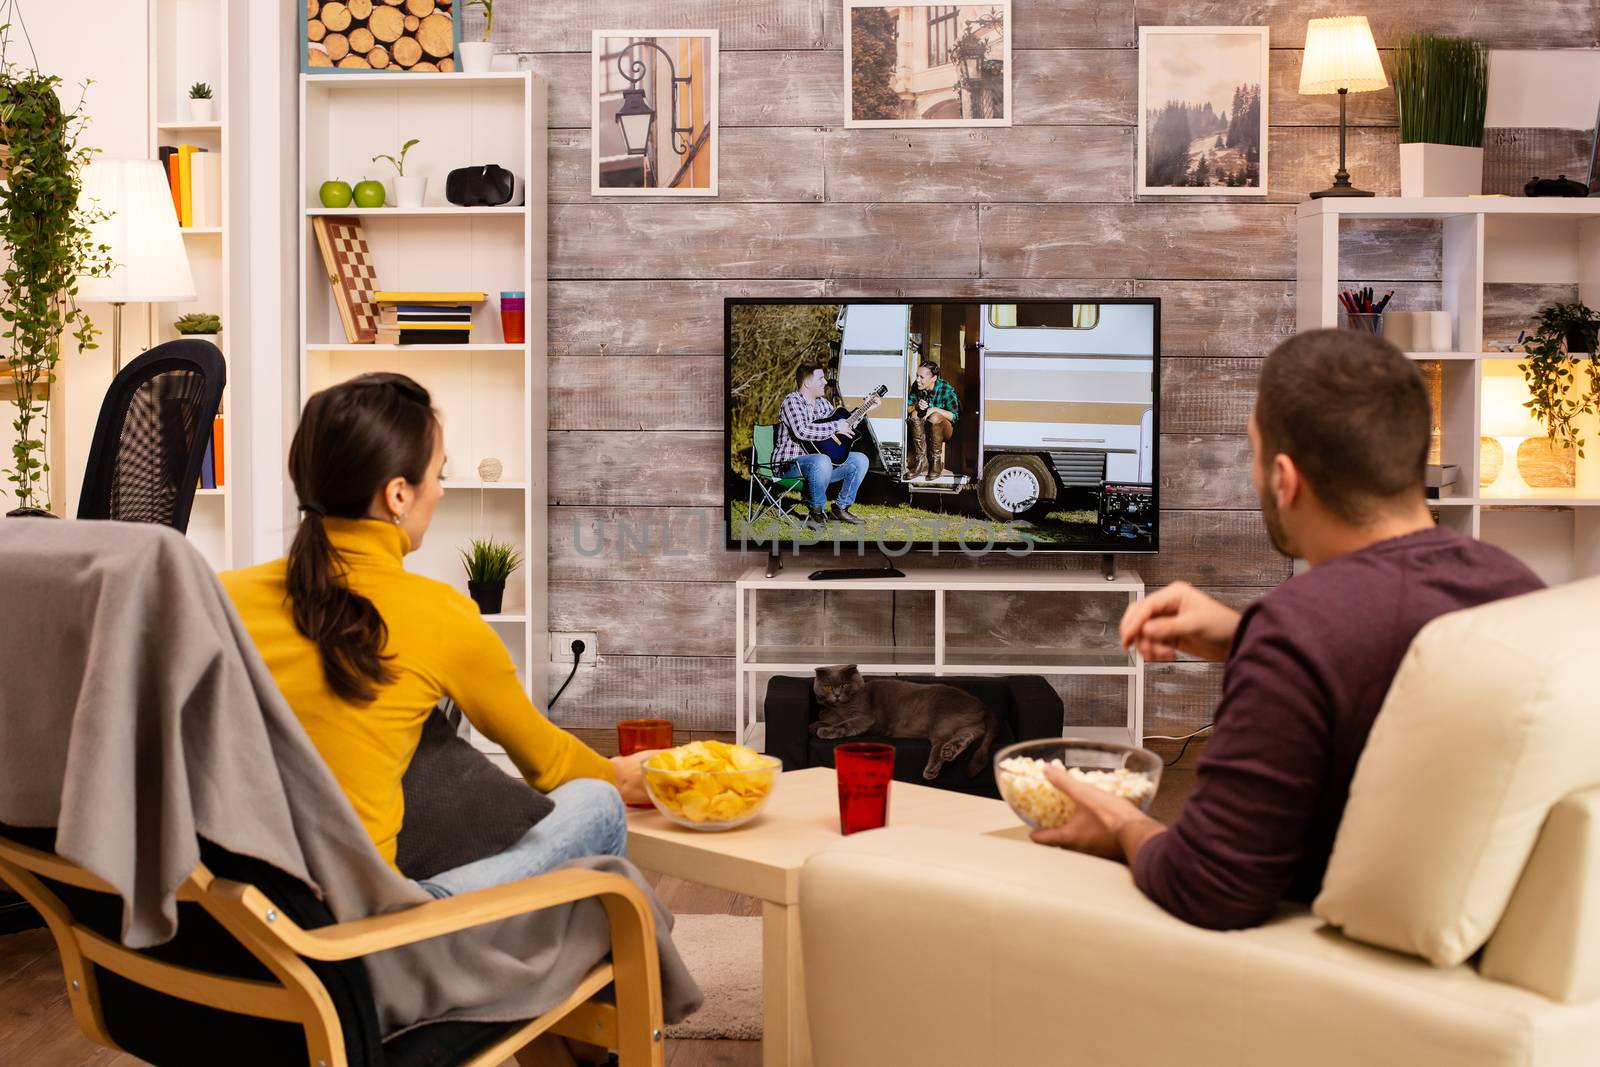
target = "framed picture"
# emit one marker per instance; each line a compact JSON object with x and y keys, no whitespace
{"x":369,"y":36}
{"x":927,"y":64}
{"x":1203,"y":110}
{"x":654,"y":127}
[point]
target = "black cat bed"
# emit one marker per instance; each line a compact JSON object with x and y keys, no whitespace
{"x":1029,"y":708}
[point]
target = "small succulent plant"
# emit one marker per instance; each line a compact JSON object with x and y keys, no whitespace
{"x":198,"y":322}
{"x":199,"y":91}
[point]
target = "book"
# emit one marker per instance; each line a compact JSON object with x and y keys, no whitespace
{"x":392,"y":336}
{"x":185,"y":186}
{"x":388,"y":317}
{"x":177,"y":186}
{"x":206,"y":188}
{"x":208,"y":469}
{"x":396,"y":296}
{"x":216,"y":447}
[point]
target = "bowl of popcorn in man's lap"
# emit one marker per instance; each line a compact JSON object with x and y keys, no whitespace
{"x":1121,"y":770}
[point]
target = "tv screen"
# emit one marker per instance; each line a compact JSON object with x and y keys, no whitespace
{"x":952,"y":425}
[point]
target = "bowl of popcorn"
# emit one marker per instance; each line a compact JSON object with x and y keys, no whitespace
{"x":1124,"y":771}
{"x":710,"y":785}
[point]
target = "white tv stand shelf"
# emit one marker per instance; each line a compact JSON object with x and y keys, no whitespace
{"x":755,"y":659}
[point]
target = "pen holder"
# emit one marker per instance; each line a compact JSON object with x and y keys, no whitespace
{"x":1371,"y":322}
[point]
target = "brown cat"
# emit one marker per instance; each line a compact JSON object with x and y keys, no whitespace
{"x":950,"y":718}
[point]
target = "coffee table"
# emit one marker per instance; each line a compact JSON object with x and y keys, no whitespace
{"x":763,"y":858}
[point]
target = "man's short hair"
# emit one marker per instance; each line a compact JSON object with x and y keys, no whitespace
{"x":929,"y":365}
{"x":1352,"y":413}
{"x":804,"y":371}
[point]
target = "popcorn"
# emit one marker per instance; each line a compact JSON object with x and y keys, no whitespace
{"x":1044,"y":807}
{"x":722,"y":783}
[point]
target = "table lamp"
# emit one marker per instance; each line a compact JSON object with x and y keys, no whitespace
{"x":1507,"y":421}
{"x":1342,"y":58}
{"x":149,"y":262}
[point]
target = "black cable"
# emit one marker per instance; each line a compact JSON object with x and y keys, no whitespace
{"x":577,"y":657}
{"x":1186,"y":739}
{"x":894,"y":615}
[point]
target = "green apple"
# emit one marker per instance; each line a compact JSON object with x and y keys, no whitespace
{"x":370,"y":193}
{"x":334,"y":194}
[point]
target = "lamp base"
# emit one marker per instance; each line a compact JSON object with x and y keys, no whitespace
{"x":1340,"y":190}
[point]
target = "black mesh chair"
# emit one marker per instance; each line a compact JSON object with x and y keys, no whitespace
{"x":151,"y":437}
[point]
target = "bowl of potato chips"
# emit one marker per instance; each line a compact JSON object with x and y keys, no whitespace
{"x":710,"y":785}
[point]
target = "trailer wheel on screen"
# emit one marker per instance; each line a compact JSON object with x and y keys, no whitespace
{"x":1017,"y":487}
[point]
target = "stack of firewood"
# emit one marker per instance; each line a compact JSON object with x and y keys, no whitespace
{"x":381,"y":34}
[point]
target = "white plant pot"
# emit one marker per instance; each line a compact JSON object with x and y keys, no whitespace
{"x":1440,"y":170}
{"x":202,"y":110}
{"x":214,"y":338}
{"x":408,"y":191}
{"x":477,"y":57}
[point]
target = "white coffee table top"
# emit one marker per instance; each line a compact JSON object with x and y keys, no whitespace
{"x":763,"y":857}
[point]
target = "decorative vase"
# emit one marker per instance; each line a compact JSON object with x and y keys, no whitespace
{"x":202,"y":110}
{"x":487,"y":595}
{"x":477,"y":57}
{"x":1440,"y":170}
{"x":1581,"y":339}
{"x":214,"y":338}
{"x":409,"y":191}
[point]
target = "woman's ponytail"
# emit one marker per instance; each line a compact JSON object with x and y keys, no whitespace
{"x":352,"y":439}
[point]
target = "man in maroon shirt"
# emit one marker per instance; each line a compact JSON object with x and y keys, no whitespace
{"x":1340,"y":438}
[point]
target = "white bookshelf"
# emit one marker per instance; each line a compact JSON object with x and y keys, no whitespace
{"x":1485,"y":240}
{"x":189,"y":42}
{"x":491,"y":395}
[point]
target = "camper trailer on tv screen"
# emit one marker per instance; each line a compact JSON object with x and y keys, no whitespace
{"x":943,"y":424}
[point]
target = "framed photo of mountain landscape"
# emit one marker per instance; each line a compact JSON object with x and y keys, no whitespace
{"x":1203,"y":110}
{"x":927,"y":65}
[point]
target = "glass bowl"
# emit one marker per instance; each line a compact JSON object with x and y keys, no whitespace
{"x":1042,"y":806}
{"x":711,"y":800}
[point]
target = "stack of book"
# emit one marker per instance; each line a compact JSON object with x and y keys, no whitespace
{"x":195,"y":176}
{"x":425,"y":318}
{"x":211,"y":472}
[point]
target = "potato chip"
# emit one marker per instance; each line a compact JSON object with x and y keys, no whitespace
{"x":715,"y":782}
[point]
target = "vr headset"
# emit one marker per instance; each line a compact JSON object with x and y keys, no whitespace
{"x":490,"y":185}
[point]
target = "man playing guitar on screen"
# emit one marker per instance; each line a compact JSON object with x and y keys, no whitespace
{"x":805,"y":420}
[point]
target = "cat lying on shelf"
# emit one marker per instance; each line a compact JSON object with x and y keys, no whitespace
{"x":949,"y":718}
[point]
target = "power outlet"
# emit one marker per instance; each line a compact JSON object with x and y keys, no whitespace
{"x":561,"y":647}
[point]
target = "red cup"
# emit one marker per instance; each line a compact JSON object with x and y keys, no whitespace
{"x":513,"y":317}
{"x":865,"y":768}
{"x":639,"y":735}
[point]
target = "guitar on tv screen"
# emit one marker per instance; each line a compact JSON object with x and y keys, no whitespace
{"x":945,"y":425}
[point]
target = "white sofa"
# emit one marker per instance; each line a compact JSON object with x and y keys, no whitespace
{"x":933,"y":948}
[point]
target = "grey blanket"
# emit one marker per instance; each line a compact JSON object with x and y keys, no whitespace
{"x":136,"y":716}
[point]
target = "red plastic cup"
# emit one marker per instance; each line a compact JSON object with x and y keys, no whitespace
{"x":640,"y":735}
{"x":865,"y":769}
{"x":513,"y":317}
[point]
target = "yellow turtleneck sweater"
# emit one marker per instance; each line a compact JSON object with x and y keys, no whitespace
{"x":440,"y":647}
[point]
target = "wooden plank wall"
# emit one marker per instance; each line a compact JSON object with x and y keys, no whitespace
{"x":1045,"y":207}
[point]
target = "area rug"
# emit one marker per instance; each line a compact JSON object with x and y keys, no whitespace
{"x":723,"y":952}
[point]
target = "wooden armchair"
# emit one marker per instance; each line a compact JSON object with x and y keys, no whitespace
{"x":259,"y":973}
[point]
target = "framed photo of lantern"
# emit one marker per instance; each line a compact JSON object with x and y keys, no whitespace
{"x":654,"y":106}
{"x":927,"y":64}
{"x":1203,"y":110}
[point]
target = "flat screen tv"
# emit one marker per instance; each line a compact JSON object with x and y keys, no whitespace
{"x":1015,"y":426}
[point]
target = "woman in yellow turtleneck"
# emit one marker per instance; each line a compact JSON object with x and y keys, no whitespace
{"x":363,"y":649}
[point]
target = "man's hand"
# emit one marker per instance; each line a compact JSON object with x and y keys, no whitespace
{"x":844,"y":430}
{"x":1176,"y":619}
{"x":1101,"y":825}
{"x":630,"y":778}
{"x":874,"y":402}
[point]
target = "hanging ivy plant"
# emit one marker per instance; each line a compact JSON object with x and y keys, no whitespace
{"x":1565,"y":332}
{"x":47,"y":241}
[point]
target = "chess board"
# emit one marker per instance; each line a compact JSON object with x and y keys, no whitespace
{"x":350,"y":272}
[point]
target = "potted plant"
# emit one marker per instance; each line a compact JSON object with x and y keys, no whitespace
{"x":1441,"y":85}
{"x":46,"y":244}
{"x":478,"y":56}
{"x":1565,"y":340}
{"x":408,"y":190}
{"x":200,"y":325}
{"x":489,"y":563}
{"x":202,"y":108}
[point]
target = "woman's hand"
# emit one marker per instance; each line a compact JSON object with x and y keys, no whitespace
{"x":630,"y":778}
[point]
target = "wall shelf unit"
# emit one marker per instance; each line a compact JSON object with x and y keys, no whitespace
{"x":189,"y":42}
{"x":1484,"y":241}
{"x":755,"y":660}
{"x":491,"y":395}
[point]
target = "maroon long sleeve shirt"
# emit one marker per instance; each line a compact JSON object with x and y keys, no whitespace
{"x":1308,"y":671}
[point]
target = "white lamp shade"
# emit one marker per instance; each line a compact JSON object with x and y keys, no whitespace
{"x":1503,"y":413}
{"x":149,"y":262}
{"x":1340,"y":54}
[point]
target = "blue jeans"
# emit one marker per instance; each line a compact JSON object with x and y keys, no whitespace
{"x":819,"y":473}
{"x":589,"y":820}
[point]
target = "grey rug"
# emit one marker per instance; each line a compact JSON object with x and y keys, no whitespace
{"x":723,"y":952}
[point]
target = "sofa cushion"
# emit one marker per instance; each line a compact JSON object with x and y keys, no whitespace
{"x":1489,"y":722}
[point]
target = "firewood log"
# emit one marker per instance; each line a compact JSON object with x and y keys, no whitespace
{"x":412,"y":22}
{"x":336,"y":16}
{"x":338,"y":46}
{"x":437,"y":35}
{"x":315,"y":30}
{"x":386,"y":24}
{"x":420,"y":8}
{"x":311,"y":8}
{"x":378,"y":57}
{"x":425,"y":65}
{"x":316,"y":57}
{"x":405,"y":52}
{"x":359,"y":9}
{"x":361,"y":41}
{"x":354,"y":61}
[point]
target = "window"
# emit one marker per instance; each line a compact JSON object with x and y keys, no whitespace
{"x":941,"y":34}
{"x":1045,"y":316}
{"x":611,"y":78}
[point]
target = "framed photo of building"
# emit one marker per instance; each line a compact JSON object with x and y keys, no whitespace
{"x":654,"y":127}
{"x":1203,"y":110}
{"x":927,"y":64}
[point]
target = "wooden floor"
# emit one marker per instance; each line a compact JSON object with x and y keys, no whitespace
{"x":37,"y":1029}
